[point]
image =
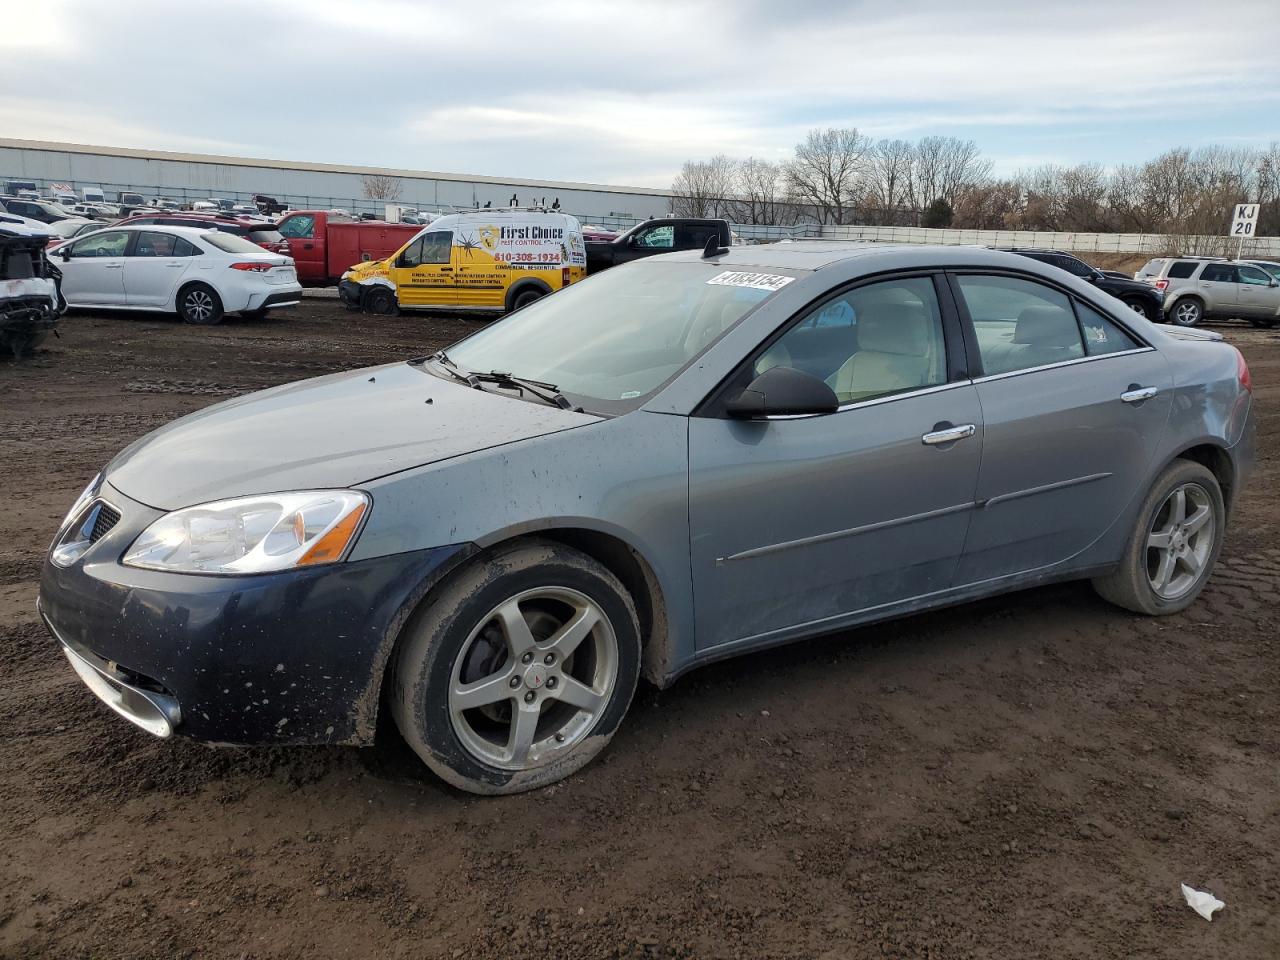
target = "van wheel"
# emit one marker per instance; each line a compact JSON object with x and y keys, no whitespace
{"x":199,"y":303}
{"x":1187,"y":312}
{"x":1173,"y":545}
{"x":382,"y":302}
{"x":519,"y":671}
{"x":526,"y":297}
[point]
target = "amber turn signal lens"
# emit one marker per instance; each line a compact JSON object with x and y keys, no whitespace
{"x":330,"y":547}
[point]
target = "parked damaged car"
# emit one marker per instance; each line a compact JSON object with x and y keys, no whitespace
{"x":30,"y":286}
{"x":678,"y":460}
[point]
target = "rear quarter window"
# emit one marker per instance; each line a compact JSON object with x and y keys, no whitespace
{"x":229,"y":243}
{"x":266,"y":236}
{"x":1182,"y":269}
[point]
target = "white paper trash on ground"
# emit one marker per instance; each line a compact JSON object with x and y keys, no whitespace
{"x":1202,"y":902}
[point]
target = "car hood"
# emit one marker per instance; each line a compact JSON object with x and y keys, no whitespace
{"x":334,"y":431}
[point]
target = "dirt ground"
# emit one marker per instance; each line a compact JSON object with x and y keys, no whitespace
{"x":1030,"y":776}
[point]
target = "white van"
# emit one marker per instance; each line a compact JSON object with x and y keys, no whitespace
{"x":489,"y":260}
{"x":93,"y":195}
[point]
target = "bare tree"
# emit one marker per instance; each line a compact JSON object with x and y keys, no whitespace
{"x":759,"y":193}
{"x":827,"y":169}
{"x":887,"y":179}
{"x":703,"y":188}
{"x":380,"y":187}
{"x":941,"y":167}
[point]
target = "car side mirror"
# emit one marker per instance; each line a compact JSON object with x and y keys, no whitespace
{"x":1095,"y":276}
{"x":65,"y":255}
{"x":1274,"y":283}
{"x":780,"y":392}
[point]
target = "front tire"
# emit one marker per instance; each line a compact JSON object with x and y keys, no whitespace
{"x":200,"y":304}
{"x":1174,"y":544}
{"x":382,"y":302}
{"x":519,"y":671}
{"x":1187,"y":312}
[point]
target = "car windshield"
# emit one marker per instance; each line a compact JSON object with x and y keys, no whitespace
{"x":611,"y":340}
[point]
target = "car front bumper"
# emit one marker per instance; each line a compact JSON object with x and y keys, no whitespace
{"x":350,"y":293}
{"x":292,"y":657}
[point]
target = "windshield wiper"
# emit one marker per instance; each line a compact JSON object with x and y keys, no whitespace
{"x":547,"y":392}
{"x":451,"y":368}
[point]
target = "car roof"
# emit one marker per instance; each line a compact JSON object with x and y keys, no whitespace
{"x":817,"y":254}
{"x":161,"y":228}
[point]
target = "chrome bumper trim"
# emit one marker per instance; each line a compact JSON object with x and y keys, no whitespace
{"x":156,"y":713}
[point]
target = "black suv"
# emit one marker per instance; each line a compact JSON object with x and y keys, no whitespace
{"x":1139,"y":297}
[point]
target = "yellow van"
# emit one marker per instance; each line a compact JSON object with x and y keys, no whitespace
{"x":490,"y":260}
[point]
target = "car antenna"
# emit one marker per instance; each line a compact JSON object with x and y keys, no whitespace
{"x":713,"y":248}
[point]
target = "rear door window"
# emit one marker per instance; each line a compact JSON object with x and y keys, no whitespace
{"x":1219,"y":273}
{"x":1020,"y":324}
{"x":1102,"y":334}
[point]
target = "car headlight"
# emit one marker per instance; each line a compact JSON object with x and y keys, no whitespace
{"x":262,"y":534}
{"x":82,"y":501}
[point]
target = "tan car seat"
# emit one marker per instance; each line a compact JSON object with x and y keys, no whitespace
{"x":896,"y":351}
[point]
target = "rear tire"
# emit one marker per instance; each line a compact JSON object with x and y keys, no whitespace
{"x":544,"y":699}
{"x":382,"y":302}
{"x":200,"y":304}
{"x":526,"y":297}
{"x":1187,"y":312}
{"x":1166,"y":562}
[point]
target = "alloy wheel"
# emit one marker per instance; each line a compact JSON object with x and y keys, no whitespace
{"x":533,"y":678}
{"x":1180,"y":541}
{"x":1187,"y":314}
{"x":199,"y":305}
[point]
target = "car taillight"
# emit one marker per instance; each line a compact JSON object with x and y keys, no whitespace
{"x":1242,"y":373}
{"x":252,"y":267}
{"x":1161,"y":284}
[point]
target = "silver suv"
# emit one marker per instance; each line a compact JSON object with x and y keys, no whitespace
{"x":1199,"y":288}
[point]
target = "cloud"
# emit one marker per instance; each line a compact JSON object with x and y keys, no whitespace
{"x":626,"y":91}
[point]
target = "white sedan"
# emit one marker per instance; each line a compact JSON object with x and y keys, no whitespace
{"x":198,"y":274}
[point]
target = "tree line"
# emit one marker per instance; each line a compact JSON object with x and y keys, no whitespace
{"x":839,"y":175}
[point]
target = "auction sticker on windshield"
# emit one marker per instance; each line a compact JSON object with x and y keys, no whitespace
{"x":757,"y":281}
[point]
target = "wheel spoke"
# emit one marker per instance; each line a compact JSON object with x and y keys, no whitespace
{"x":524,"y":724}
{"x":515,"y":628}
{"x":1192,"y":562}
{"x":1197,"y":520}
{"x":568,"y":637}
{"x":578,"y":694}
{"x":1159,"y":539}
{"x":1178,"y":506}
{"x":1164,"y":571}
{"x":491,"y":689}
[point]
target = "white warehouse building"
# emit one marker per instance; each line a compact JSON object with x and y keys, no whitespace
{"x":186,"y":177}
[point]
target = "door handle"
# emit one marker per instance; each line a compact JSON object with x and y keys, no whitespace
{"x":1138,"y":394}
{"x":307,"y":246}
{"x":178,"y":264}
{"x":949,"y":435}
{"x":113,"y":266}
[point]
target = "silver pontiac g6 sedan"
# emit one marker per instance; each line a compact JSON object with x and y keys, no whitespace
{"x":674,"y":461}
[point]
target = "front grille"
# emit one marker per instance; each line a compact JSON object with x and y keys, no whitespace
{"x":106,"y":519}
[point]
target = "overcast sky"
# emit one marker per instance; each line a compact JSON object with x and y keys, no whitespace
{"x":614,"y":91}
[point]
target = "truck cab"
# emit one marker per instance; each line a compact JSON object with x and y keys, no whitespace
{"x":663,"y":235}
